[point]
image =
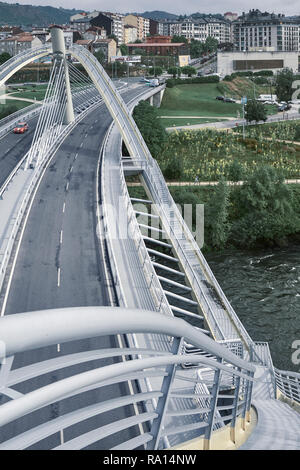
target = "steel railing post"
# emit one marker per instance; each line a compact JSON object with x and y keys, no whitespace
{"x":235,"y":407}
{"x":213,"y":406}
{"x":158,"y":423}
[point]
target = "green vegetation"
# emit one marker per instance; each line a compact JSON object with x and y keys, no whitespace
{"x":263,"y":212}
{"x":285,"y":130}
{"x":209,"y":155}
{"x":197,"y":48}
{"x":11,"y":106}
{"x":284,"y":85}
{"x":156,"y":71}
{"x":255,"y":111}
{"x":31,"y":92}
{"x":151,"y":128}
{"x":196,"y":100}
{"x":243,"y":86}
{"x":4,"y":57}
{"x":15,"y":14}
{"x":188,"y":70}
{"x":7,"y":110}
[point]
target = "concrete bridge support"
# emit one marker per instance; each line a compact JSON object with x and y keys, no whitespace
{"x":59,"y":52}
{"x":155,"y":100}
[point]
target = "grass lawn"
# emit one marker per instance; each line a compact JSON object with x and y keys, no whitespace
{"x":32,"y":93}
{"x":171,"y":122}
{"x":196,"y":100}
{"x":16,"y":103}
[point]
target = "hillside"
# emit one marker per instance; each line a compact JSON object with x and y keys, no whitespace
{"x":27,"y":15}
{"x":159,"y":15}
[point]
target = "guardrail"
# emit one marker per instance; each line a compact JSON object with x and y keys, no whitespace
{"x":180,"y":412}
{"x":139,"y":150}
{"x":289,"y":384}
{"x":9,"y":122}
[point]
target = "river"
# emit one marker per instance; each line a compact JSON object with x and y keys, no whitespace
{"x":264,"y":289}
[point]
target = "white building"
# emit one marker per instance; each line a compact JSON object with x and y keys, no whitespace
{"x":264,"y":31}
{"x":229,"y":62}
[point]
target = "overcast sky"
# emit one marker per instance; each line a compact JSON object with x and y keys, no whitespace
{"x":289,"y":7}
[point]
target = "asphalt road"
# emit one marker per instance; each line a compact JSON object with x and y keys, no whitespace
{"x":59,"y":265}
{"x":13,"y":147}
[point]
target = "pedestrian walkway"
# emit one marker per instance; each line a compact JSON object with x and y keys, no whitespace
{"x":210,"y":183}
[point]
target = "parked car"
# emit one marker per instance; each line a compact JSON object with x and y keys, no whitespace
{"x":21,"y":127}
{"x":229,"y":100}
{"x":220,"y":98}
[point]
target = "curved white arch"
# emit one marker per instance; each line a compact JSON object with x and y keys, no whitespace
{"x":19,"y":61}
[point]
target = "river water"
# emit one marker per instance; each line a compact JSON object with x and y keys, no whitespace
{"x":264,"y":289}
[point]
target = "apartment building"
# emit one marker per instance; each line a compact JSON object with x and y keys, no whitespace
{"x":95,"y":33}
{"x":194,"y":29}
{"x":107,"y":46}
{"x":117,"y":25}
{"x":141,"y":24}
{"x":218,"y":29}
{"x":21,"y":43}
{"x":130,"y":33}
{"x":156,"y":28}
{"x":199,"y":29}
{"x":8,"y":31}
{"x":256,"y":31}
{"x":171,"y":28}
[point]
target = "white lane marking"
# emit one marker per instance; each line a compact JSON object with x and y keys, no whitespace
{"x":61,"y":436}
{"x":61,"y":237}
{"x":76,"y":156}
{"x":64,"y":207}
{"x":71,"y":169}
{"x":58,"y":348}
{"x":58,"y":277}
{"x":67,"y":187}
{"x":81,"y":144}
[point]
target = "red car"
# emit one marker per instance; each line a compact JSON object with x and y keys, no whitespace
{"x":21,"y":128}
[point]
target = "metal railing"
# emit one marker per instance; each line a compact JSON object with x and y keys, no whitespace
{"x":289,"y":384}
{"x":210,"y":407}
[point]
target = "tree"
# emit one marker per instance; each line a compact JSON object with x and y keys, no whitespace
{"x":124,"y":49}
{"x":139,"y":51}
{"x":146,"y":118}
{"x":284,"y":84}
{"x":100,"y":56}
{"x":211,"y":44}
{"x":196,"y":49}
{"x":113,"y":36}
{"x":188,"y":70}
{"x":155,"y":71}
{"x":7,"y":111}
{"x":218,"y":226}
{"x":175,"y":71}
{"x":235,"y":171}
{"x":255,"y":111}
{"x":4,"y":57}
{"x":179,"y":39}
{"x":265,"y":207}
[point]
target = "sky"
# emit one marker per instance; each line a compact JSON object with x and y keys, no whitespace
{"x":289,"y":7}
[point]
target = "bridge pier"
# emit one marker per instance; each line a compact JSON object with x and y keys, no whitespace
{"x":59,"y":52}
